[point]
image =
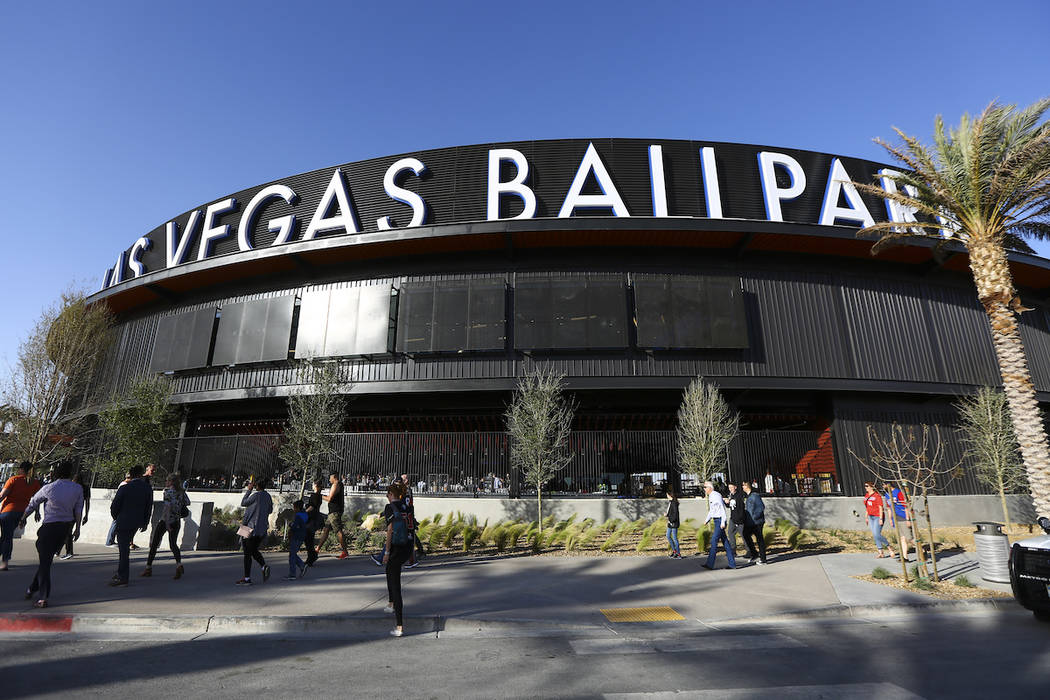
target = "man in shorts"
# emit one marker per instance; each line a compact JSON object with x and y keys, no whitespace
{"x":335,"y":515}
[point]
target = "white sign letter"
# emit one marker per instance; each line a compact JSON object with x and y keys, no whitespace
{"x":897,"y":211}
{"x":656,"y":177}
{"x":141,"y":245}
{"x":772,"y":194}
{"x":839,"y":181}
{"x":709,"y":173}
{"x":347,"y":217}
{"x":211,"y":231}
{"x":608,"y":199}
{"x":400,"y":194}
{"x":282,"y":226}
{"x":176,"y":255}
{"x":516,"y":186}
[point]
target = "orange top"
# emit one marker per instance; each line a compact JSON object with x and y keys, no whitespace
{"x":19,"y":491}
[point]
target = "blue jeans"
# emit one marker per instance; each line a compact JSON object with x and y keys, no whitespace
{"x":672,"y":539}
{"x":719,"y":535}
{"x":875,"y":523}
{"x":295,"y":563}
{"x":8,"y":523}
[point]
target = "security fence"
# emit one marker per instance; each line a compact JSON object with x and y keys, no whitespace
{"x":616,"y":463}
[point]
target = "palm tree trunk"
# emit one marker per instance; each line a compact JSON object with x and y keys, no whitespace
{"x":1002,"y":499}
{"x":995,"y":289}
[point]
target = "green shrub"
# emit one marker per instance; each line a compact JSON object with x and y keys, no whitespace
{"x":500,"y":536}
{"x":550,"y":537}
{"x":586,"y":523}
{"x":535,"y":541}
{"x":437,"y":536}
{"x":703,"y":537}
{"x":437,"y":519}
{"x":880,"y":573}
{"x":918,"y":581}
{"x":769,"y":535}
{"x":612,"y":540}
{"x":450,"y":534}
{"x":470,"y":535}
{"x":588,"y":535}
{"x":792,"y":536}
{"x":378,"y":540}
{"x":516,"y":531}
{"x":643,"y":544}
{"x":548,"y":521}
{"x":611,"y":524}
{"x":637,"y":526}
{"x":486,"y":534}
{"x":963,"y":582}
{"x":361,"y":539}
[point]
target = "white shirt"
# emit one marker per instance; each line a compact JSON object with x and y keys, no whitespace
{"x":63,"y":502}
{"x":716,"y":507}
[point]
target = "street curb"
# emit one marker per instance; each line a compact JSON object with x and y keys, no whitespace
{"x":319,"y":627}
{"x":865,"y":611}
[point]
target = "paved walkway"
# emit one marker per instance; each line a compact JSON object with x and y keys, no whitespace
{"x":549,"y":590}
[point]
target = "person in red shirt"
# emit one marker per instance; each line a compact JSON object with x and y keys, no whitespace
{"x":15,"y":498}
{"x":876,"y":519}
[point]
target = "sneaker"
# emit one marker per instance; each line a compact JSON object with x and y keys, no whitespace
{"x":388,"y":609}
{"x":343,"y":555}
{"x":65,"y":556}
{"x":266,"y":574}
{"x":411,"y":564}
{"x":705,"y":566}
{"x":302,"y":570}
{"x":760,"y":562}
{"x":290,"y":578}
{"x":396,"y":632}
{"x":179,"y":571}
{"x":243,"y":582}
{"x":134,"y":546}
{"x":147,"y":572}
{"x":378,"y":560}
{"x":118,"y":582}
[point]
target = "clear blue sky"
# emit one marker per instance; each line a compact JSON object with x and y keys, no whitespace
{"x":118,"y":116}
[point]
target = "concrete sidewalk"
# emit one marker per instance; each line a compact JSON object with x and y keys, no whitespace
{"x":443,"y":594}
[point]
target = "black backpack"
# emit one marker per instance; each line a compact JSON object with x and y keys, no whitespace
{"x":399,"y":528}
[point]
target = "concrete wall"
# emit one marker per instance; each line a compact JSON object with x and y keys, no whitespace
{"x":195,"y":532}
{"x":817,"y":512}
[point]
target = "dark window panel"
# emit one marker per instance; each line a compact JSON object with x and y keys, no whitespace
{"x":415,"y":317}
{"x":182,"y":341}
{"x":725,"y":303}
{"x":278,"y":327}
{"x":653,"y":305}
{"x":487,"y":315}
{"x":162,"y":345}
{"x":228,"y":335}
{"x":254,"y":331}
{"x":533,"y":315}
{"x":451,"y":306}
{"x":571,"y":314}
{"x":607,"y":314}
{"x":675,"y":312}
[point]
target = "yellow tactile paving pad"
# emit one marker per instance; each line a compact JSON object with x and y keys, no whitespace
{"x":662,"y":613}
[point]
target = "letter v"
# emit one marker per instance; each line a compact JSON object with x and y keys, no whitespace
{"x":176,"y":254}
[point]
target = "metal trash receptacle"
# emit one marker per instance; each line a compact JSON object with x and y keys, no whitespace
{"x":993,"y":552}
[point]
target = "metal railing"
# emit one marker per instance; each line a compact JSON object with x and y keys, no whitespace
{"x":618,"y":463}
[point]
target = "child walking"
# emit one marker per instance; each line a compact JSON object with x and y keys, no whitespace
{"x":296,"y":536}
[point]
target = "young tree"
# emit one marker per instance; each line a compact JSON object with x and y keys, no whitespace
{"x":986,"y":186}
{"x":134,"y":424}
{"x":54,"y":369}
{"x":989,"y":438}
{"x":539,"y":421}
{"x":706,"y":426}
{"x":915,"y":463}
{"x":315,"y":412}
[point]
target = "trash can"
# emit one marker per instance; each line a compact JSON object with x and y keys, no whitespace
{"x":993,"y":552}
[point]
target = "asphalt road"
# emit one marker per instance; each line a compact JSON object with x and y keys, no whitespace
{"x":946,"y":655}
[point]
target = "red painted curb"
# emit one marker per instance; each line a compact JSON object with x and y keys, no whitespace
{"x":35,"y":623}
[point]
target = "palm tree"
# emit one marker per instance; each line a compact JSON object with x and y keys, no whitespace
{"x":985,"y":185}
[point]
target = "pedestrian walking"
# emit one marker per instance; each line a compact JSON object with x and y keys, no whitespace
{"x":673,"y":523}
{"x":14,"y":498}
{"x":734,"y":501}
{"x":176,"y":507}
{"x":314,"y":522}
{"x":335,"y":515}
{"x":131,"y":509}
{"x":408,"y":499}
{"x":754,"y":521}
{"x":78,"y":479}
{"x":397,"y":550}
{"x":296,"y":537}
{"x":63,"y":507}
{"x":258,"y":505}
{"x":716,"y":513}
{"x":901,"y":520}
{"x":111,"y":536}
{"x":876,"y":519}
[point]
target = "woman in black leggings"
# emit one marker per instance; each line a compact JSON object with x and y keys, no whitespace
{"x":175,"y":499}
{"x":397,"y":552}
{"x":257,"y":506}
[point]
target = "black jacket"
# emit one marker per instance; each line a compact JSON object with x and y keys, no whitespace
{"x":735,"y":507}
{"x":672,"y":514}
{"x":132,"y":505}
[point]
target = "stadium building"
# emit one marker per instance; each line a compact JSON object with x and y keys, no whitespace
{"x":433,"y":279}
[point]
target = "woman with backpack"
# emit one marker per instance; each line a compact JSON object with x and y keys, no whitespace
{"x":176,"y":507}
{"x":397,"y":551}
